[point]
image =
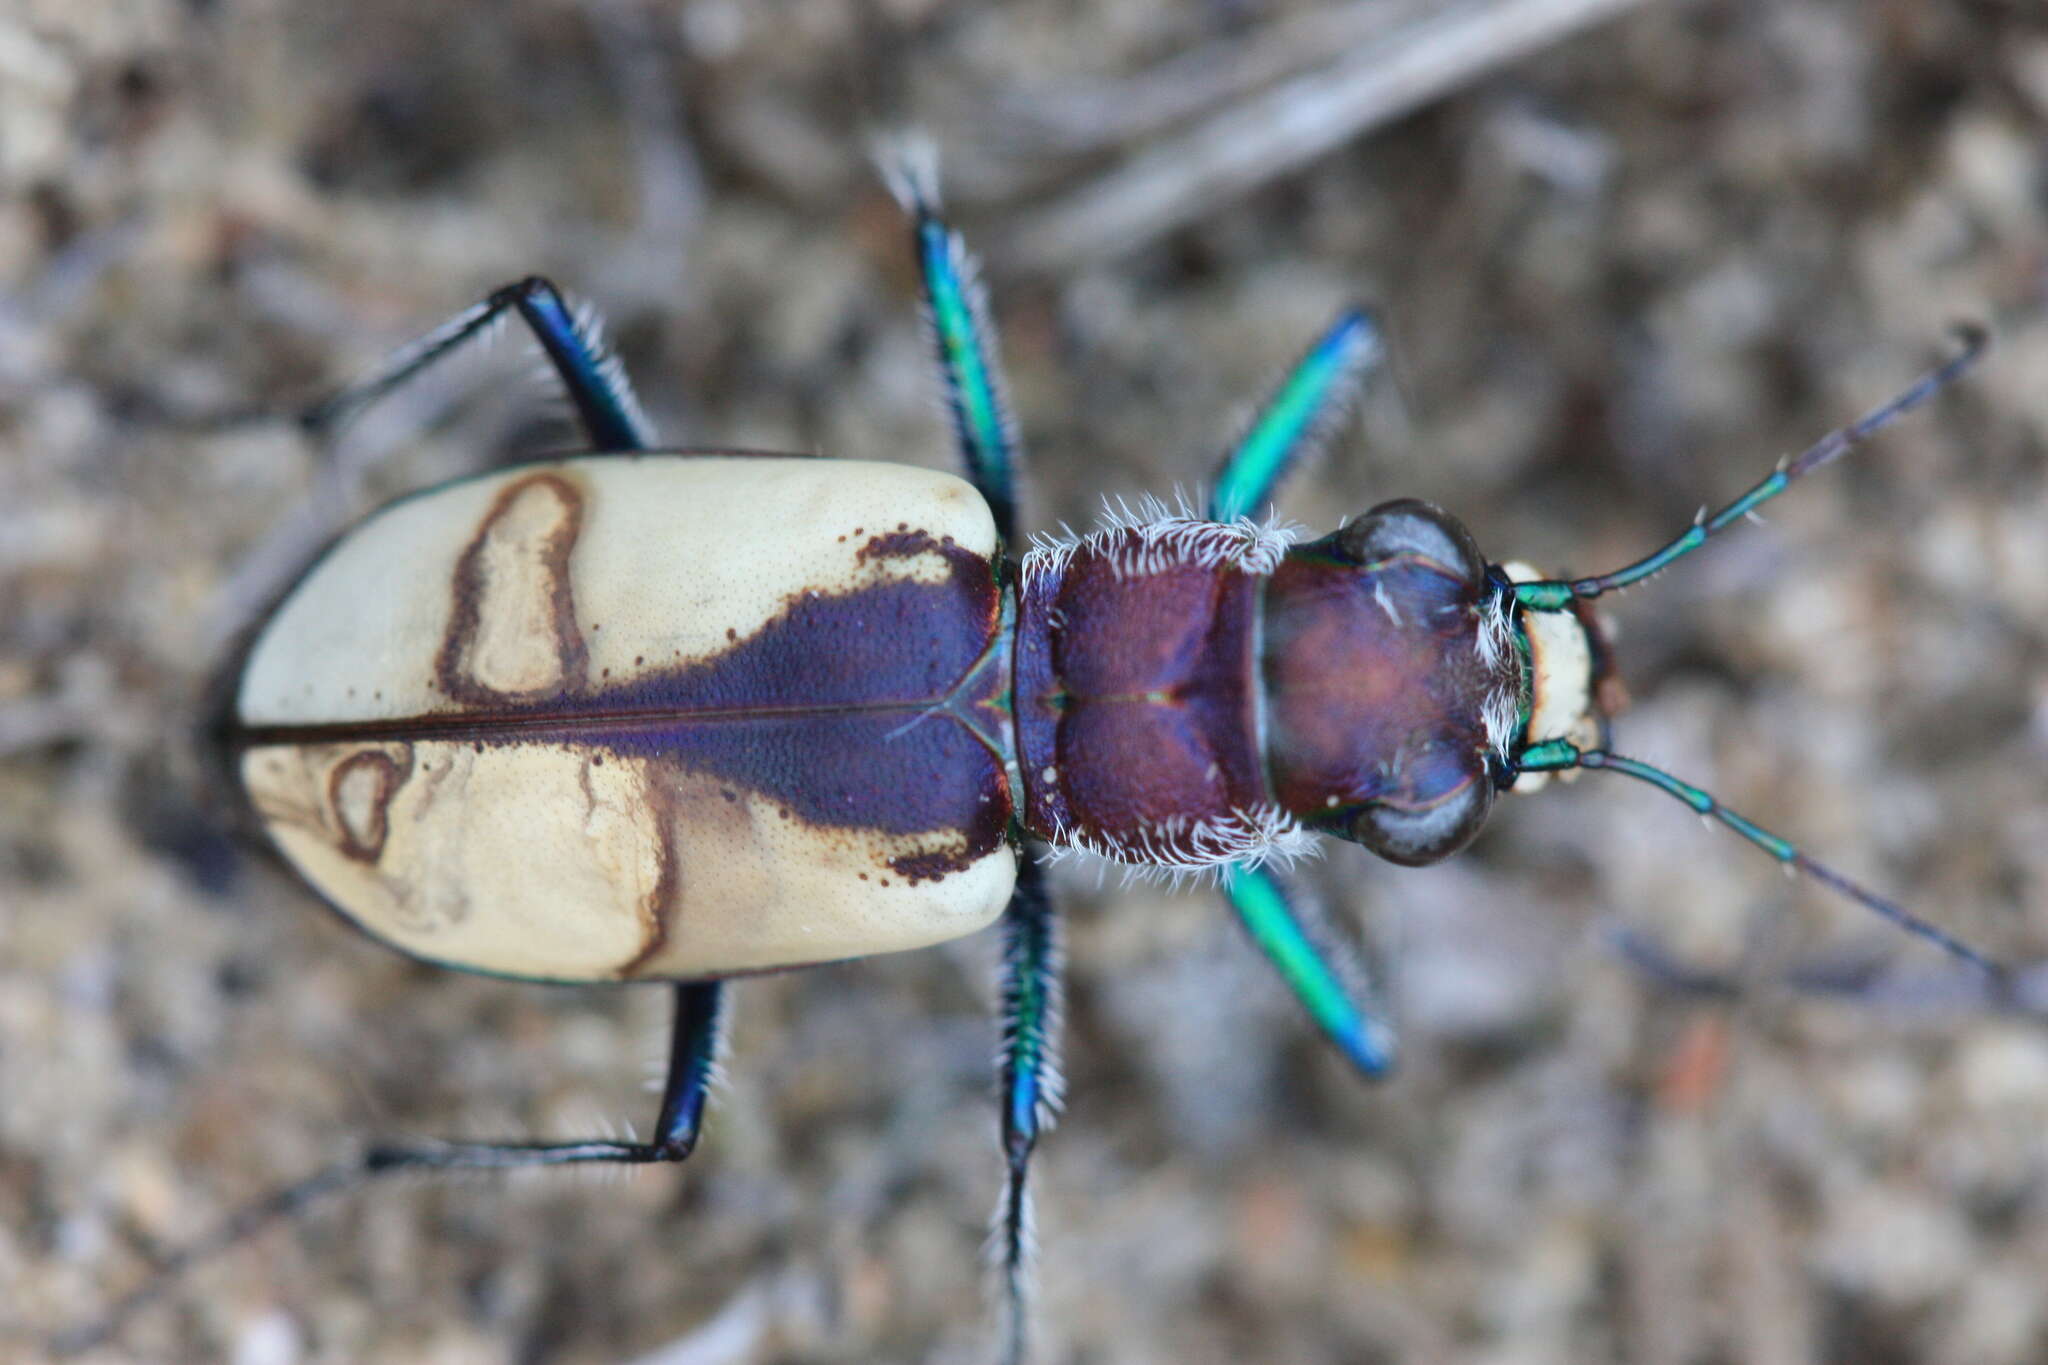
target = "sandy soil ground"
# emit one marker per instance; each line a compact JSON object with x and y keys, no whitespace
{"x":1620,"y":276}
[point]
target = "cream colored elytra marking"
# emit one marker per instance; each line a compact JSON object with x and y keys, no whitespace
{"x":566,"y":861}
{"x":513,"y":632}
{"x":360,"y":790}
{"x":676,"y":558}
{"x":523,"y":860}
{"x":536,"y":860}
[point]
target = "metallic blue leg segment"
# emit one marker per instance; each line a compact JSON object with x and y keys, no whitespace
{"x":696,"y":1038}
{"x":1298,"y":935}
{"x":572,"y":341}
{"x":694,"y":1042}
{"x":1031,"y":1086}
{"x":1298,"y":417}
{"x":963,"y":339}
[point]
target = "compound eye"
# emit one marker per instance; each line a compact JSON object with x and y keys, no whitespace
{"x":1416,"y":834}
{"x":1410,"y":526}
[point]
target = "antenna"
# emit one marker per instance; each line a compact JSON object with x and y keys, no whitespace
{"x":1557,"y":594}
{"x":1557,"y":754}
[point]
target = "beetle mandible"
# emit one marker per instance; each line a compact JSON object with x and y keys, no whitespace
{"x":551,"y":723}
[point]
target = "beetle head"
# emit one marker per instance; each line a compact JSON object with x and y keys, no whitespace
{"x":1405,"y":681}
{"x":1386,"y":713}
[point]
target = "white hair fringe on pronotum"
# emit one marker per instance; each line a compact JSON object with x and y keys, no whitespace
{"x":1179,"y":850}
{"x":1166,"y":536}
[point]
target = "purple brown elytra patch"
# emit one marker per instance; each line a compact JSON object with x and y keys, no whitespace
{"x":901,"y":545}
{"x":851,"y":710}
{"x":870,"y":709}
{"x":931,"y":866}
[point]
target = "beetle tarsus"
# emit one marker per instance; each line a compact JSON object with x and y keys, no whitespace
{"x":1014,"y":1230}
{"x":1870,"y":978}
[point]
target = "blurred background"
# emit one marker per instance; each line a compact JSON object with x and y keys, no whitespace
{"x":1627,"y":255}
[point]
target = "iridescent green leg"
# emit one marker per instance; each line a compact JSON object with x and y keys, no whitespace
{"x":1299,"y":417}
{"x":1290,"y":926}
{"x":1296,"y":932}
{"x":963,"y":337}
{"x":1031,"y":1086}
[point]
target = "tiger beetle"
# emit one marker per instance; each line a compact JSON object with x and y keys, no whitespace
{"x":649,"y":714}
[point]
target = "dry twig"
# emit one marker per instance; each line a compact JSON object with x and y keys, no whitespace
{"x":1270,"y":134}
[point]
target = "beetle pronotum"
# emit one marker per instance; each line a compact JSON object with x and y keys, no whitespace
{"x":544,"y":723}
